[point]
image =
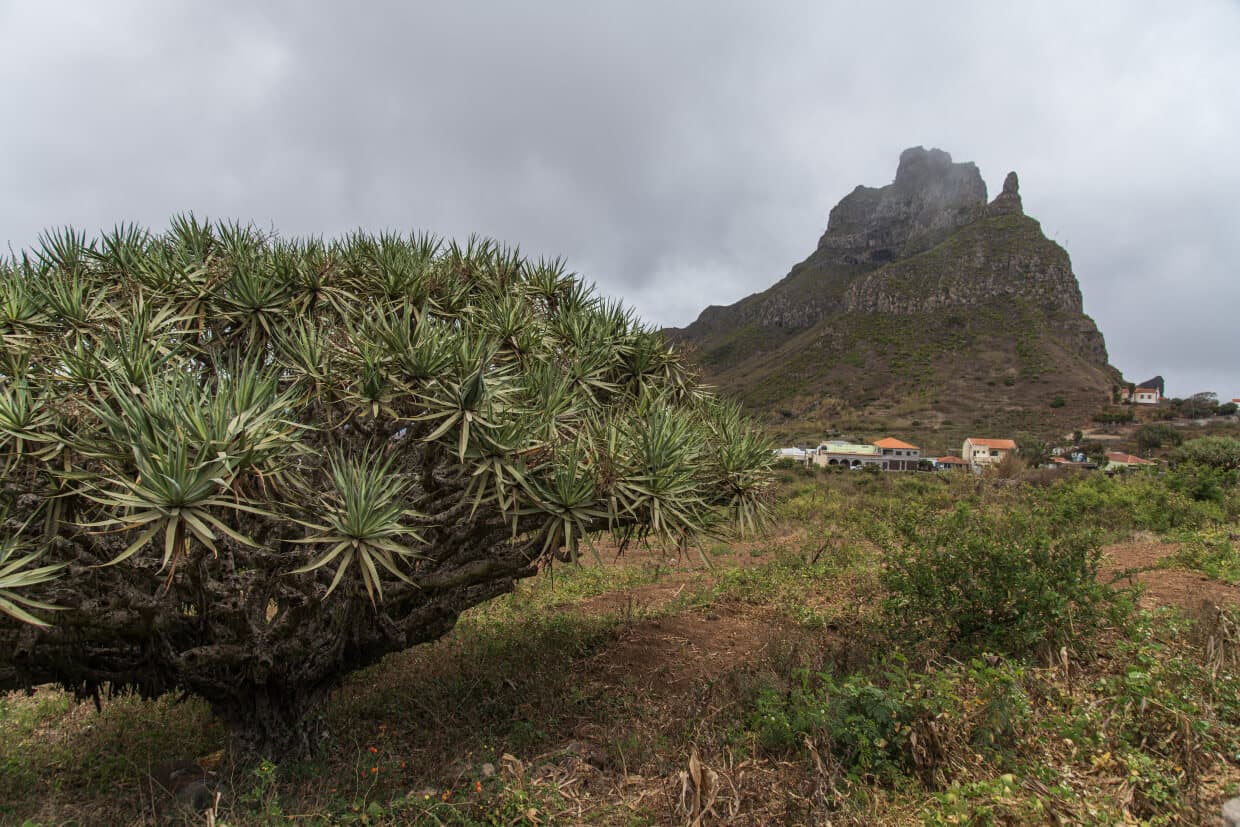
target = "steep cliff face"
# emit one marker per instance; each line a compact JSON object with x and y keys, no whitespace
{"x":925,"y":272}
{"x":990,"y":258}
{"x":930,"y":197}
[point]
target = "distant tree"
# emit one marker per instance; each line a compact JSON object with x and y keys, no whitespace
{"x":1221,"y":452}
{"x":1010,"y":467}
{"x":1157,"y":435}
{"x":1226,"y":409}
{"x":1077,"y":436}
{"x":1033,"y":451}
{"x":1200,"y":405}
{"x":1093,"y":450}
{"x":1058,"y":402}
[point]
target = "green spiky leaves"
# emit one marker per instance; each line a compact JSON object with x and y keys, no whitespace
{"x":18,"y":572}
{"x":215,"y":399}
{"x":365,"y":522}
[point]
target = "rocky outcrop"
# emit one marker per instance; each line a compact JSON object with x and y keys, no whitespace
{"x":930,"y":197}
{"x":926,"y":242}
{"x":918,"y":290}
{"x":1002,"y":257}
{"x":1008,"y":201}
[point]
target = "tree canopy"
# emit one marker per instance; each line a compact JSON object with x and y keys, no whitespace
{"x":1222,"y":452}
{"x":1157,"y":435}
{"x":242,"y":466}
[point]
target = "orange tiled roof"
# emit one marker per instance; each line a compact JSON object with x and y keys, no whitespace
{"x":1126,"y":459}
{"x":950,"y":461}
{"x":1002,"y":444}
{"x":892,"y":442}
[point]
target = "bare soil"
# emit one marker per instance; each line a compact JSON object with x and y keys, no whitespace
{"x":1140,"y":562}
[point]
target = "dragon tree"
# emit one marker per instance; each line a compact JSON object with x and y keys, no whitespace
{"x":243,"y":466}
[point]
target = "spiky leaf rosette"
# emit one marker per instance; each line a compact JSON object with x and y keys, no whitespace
{"x":250,"y":465}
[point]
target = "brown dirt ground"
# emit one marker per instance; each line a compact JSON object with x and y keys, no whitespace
{"x":1138,"y":562}
{"x":673,"y":654}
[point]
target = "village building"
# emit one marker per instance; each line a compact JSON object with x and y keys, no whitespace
{"x":949,"y":463}
{"x":897,"y":455}
{"x":794,"y":454}
{"x":838,"y":453}
{"x":1119,"y":461}
{"x":982,"y":453}
{"x":1149,"y":392}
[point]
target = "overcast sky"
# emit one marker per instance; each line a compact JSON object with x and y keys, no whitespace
{"x":677,"y":154}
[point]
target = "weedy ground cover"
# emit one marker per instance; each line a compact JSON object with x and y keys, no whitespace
{"x":838,"y":669}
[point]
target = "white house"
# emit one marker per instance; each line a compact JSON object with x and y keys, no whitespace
{"x":983,"y":453}
{"x":1149,"y":392}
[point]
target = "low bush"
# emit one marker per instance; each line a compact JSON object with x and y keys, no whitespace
{"x":1135,"y":502}
{"x":1210,"y":552}
{"x":971,"y":580}
{"x":1113,"y":417}
{"x":898,"y":720}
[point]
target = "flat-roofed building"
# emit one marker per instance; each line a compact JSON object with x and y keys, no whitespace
{"x":838,"y":453}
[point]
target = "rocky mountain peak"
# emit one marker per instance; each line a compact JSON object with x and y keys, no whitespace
{"x":1008,"y":201}
{"x":920,"y":168}
{"x":930,"y":196}
{"x":921,"y":300}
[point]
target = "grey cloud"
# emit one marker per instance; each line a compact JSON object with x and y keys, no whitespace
{"x":678,"y":154}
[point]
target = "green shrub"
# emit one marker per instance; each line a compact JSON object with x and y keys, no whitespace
{"x":866,"y":723}
{"x":970,"y":580}
{"x":1201,"y":483}
{"x":1209,"y":552}
{"x":1120,"y":504}
{"x":877,"y":725}
{"x":1113,"y":417}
